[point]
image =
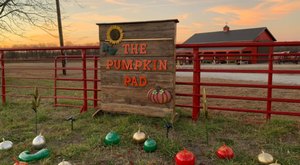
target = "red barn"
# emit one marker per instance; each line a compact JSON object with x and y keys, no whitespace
{"x":261,"y":34}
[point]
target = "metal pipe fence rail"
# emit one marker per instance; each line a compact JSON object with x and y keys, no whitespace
{"x":83,"y":76}
{"x":270,"y":58}
{"x":43,"y":73}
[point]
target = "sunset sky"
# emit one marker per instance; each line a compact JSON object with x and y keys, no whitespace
{"x":195,"y":16}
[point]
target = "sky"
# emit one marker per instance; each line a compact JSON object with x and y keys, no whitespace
{"x":281,"y":17}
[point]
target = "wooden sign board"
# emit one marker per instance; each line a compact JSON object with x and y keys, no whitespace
{"x":137,"y":63}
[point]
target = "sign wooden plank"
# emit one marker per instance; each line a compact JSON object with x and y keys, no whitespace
{"x":137,"y":67}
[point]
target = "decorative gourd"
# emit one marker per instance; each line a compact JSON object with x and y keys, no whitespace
{"x":139,"y":136}
{"x":274,"y":163}
{"x":150,"y":145}
{"x":265,"y":158}
{"x":65,"y":163}
{"x":6,"y":145}
{"x":225,"y":152}
{"x":25,"y":156}
{"x":17,"y":162}
{"x":112,"y":138}
{"x":39,"y":142}
{"x":159,"y":95}
{"x":185,"y":157}
{"x":20,"y":163}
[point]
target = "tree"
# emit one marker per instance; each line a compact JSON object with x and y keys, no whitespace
{"x":16,"y":15}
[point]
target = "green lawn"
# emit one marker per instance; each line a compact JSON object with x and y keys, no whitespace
{"x":244,"y":132}
{"x":84,"y":145}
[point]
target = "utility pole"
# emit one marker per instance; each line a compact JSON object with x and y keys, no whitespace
{"x":61,"y":38}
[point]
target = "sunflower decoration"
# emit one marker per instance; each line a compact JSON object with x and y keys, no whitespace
{"x":114,"y":34}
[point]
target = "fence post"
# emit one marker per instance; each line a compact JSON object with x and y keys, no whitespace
{"x":3,"y":87}
{"x":95,"y":82}
{"x":83,"y":56}
{"x":270,"y":83}
{"x":196,"y":86}
{"x":55,"y":81}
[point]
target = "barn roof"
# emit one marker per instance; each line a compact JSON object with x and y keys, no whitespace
{"x":230,"y":36}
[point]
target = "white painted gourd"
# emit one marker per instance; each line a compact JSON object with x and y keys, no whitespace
{"x":39,"y":142}
{"x":265,"y":158}
{"x":6,"y":145}
{"x":65,"y":163}
{"x":274,"y":163}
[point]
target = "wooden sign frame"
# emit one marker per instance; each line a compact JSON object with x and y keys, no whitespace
{"x":137,"y":67}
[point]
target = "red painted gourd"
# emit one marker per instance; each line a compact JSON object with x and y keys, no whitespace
{"x":225,"y":152}
{"x":185,"y":157}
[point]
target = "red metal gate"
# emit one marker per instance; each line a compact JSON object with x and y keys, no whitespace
{"x":21,"y":73}
{"x":193,"y":53}
{"x":84,"y":79}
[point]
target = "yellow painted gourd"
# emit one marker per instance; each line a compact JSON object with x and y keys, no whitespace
{"x":265,"y":158}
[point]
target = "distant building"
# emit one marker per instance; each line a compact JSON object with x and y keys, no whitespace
{"x":261,"y":34}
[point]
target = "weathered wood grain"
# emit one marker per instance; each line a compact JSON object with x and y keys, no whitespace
{"x":119,"y":90}
{"x":154,"y":48}
{"x":136,"y":109}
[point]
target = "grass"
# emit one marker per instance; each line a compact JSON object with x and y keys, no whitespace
{"x":84,"y":145}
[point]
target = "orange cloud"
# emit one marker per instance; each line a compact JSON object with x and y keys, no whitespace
{"x":266,"y":10}
{"x":187,"y":31}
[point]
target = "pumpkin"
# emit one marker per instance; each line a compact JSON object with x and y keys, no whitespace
{"x":274,"y":163}
{"x":26,"y":156}
{"x":225,"y":152}
{"x":139,"y":136}
{"x":265,"y":158}
{"x":159,"y":95}
{"x":39,"y":142}
{"x":150,"y":145}
{"x":112,"y":138}
{"x":6,"y":145}
{"x":185,"y":157}
{"x":65,"y":163}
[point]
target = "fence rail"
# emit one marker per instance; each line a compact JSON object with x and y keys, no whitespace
{"x":83,"y":78}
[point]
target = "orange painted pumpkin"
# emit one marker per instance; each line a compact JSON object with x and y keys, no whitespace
{"x":225,"y":152}
{"x":159,"y":95}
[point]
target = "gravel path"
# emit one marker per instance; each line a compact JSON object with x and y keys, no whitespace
{"x":277,"y":78}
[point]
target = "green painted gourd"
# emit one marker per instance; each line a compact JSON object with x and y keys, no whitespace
{"x":112,"y":138}
{"x":150,"y":145}
{"x":25,"y":156}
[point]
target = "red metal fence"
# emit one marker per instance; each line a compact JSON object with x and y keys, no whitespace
{"x":82,"y":76}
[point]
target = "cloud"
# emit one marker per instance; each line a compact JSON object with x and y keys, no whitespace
{"x":265,"y":10}
{"x":93,"y":18}
{"x":120,"y":2}
{"x":188,"y":30}
{"x":182,"y":3}
{"x":183,"y":16}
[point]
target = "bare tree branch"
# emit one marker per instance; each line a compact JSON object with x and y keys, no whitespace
{"x":16,"y":15}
